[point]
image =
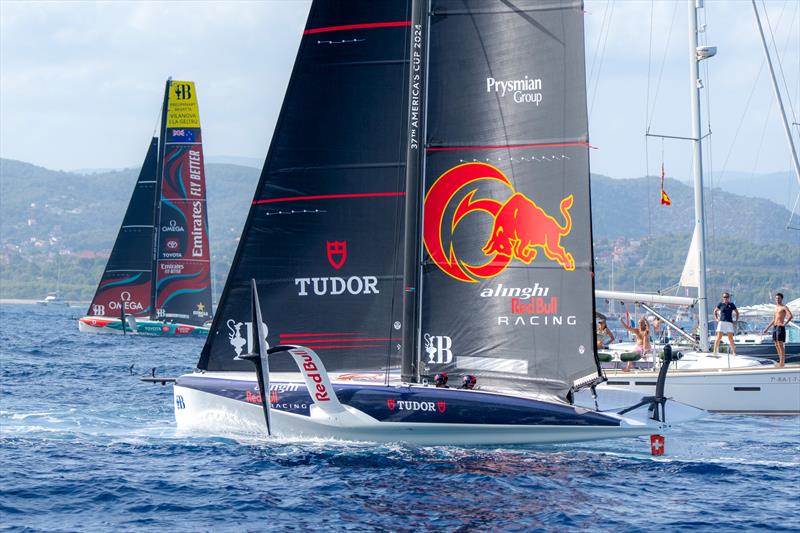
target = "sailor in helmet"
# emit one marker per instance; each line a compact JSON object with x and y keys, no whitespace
{"x":468,"y":382}
{"x":440,"y":380}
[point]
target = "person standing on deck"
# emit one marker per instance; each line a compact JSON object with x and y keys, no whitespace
{"x":781,"y":317}
{"x":724,"y":317}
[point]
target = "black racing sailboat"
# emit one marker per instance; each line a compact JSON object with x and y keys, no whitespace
{"x":157,"y":279}
{"x":423,"y":212}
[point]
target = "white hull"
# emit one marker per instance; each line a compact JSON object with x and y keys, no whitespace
{"x":206,"y":412}
{"x":763,"y":390}
{"x":88,"y":328}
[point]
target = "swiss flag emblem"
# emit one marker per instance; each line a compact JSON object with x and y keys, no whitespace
{"x":441,"y":406}
{"x":337,"y":253}
{"x":656,"y":444}
{"x":391,"y":404}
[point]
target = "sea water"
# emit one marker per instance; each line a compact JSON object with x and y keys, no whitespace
{"x":84,"y":445}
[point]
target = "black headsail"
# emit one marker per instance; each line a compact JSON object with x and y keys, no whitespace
{"x":182,"y":267}
{"x":508,"y":274}
{"x":126,"y":279}
{"x":323,"y":237}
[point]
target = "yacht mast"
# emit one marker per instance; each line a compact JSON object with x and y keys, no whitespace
{"x":778,"y":95}
{"x":695,"y":56}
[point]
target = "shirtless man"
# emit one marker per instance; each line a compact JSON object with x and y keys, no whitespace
{"x":781,"y":317}
{"x":642,"y":334}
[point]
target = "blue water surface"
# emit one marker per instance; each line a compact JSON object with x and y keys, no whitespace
{"x":84,"y":445}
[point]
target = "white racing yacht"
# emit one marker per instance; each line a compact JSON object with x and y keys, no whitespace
{"x":423,"y":216}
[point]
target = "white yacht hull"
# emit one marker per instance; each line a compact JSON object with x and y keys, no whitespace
{"x":760,"y":390}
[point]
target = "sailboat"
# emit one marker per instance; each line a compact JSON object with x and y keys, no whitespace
{"x":54,"y":297}
{"x":714,"y":382}
{"x":157,"y":278}
{"x":422,"y":221}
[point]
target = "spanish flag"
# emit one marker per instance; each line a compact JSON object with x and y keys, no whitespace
{"x":664,"y":197}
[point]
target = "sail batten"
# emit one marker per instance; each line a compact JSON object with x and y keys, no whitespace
{"x":435,"y":146}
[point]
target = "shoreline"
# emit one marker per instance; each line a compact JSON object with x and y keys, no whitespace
{"x":26,"y":301}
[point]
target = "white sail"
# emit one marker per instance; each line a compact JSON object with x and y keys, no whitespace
{"x":690,"y":277}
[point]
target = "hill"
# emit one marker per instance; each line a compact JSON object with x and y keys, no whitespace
{"x":52,"y":220}
{"x":780,"y":187}
{"x":630,"y":208}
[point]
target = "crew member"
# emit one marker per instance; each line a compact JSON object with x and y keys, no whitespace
{"x":724,"y":316}
{"x":440,"y":380}
{"x":468,"y":382}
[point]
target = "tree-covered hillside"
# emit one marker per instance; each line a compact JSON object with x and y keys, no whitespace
{"x":53,"y":221}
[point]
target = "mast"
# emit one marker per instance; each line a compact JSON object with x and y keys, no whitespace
{"x":695,"y":57}
{"x":162,"y":137}
{"x":415,"y":171}
{"x":778,"y":95}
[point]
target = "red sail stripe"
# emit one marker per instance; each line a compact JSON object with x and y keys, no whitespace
{"x":333,"y":347}
{"x":292,"y":335}
{"x":306,"y":341}
{"x":328,"y":197}
{"x":503,"y":146}
{"x":368,"y":25}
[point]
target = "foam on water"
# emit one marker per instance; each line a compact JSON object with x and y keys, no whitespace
{"x":86,"y":446}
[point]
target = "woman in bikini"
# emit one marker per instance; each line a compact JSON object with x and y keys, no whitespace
{"x":642,"y":334}
{"x":604,"y":335}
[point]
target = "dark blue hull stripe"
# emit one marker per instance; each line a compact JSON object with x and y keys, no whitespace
{"x":410,"y":404}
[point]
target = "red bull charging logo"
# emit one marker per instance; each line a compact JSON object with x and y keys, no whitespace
{"x":521,"y":228}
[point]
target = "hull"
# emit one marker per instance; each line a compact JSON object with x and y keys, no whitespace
{"x":761,"y":346}
{"x":93,"y":324}
{"x":229,"y":403}
{"x":767,"y":351}
{"x":764,"y":391}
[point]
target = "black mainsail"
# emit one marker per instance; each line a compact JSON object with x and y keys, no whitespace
{"x":508,"y":271}
{"x":426,"y":194}
{"x":323,"y":237}
{"x":127,"y":278}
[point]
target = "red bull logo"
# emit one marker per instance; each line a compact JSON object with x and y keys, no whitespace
{"x":520,"y":231}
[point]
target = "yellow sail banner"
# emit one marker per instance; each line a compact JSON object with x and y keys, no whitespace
{"x":182,"y":109}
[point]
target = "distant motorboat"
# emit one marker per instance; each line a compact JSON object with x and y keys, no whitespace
{"x":53,"y":298}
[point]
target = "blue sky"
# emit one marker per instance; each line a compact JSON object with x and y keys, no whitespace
{"x":81,"y":82}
